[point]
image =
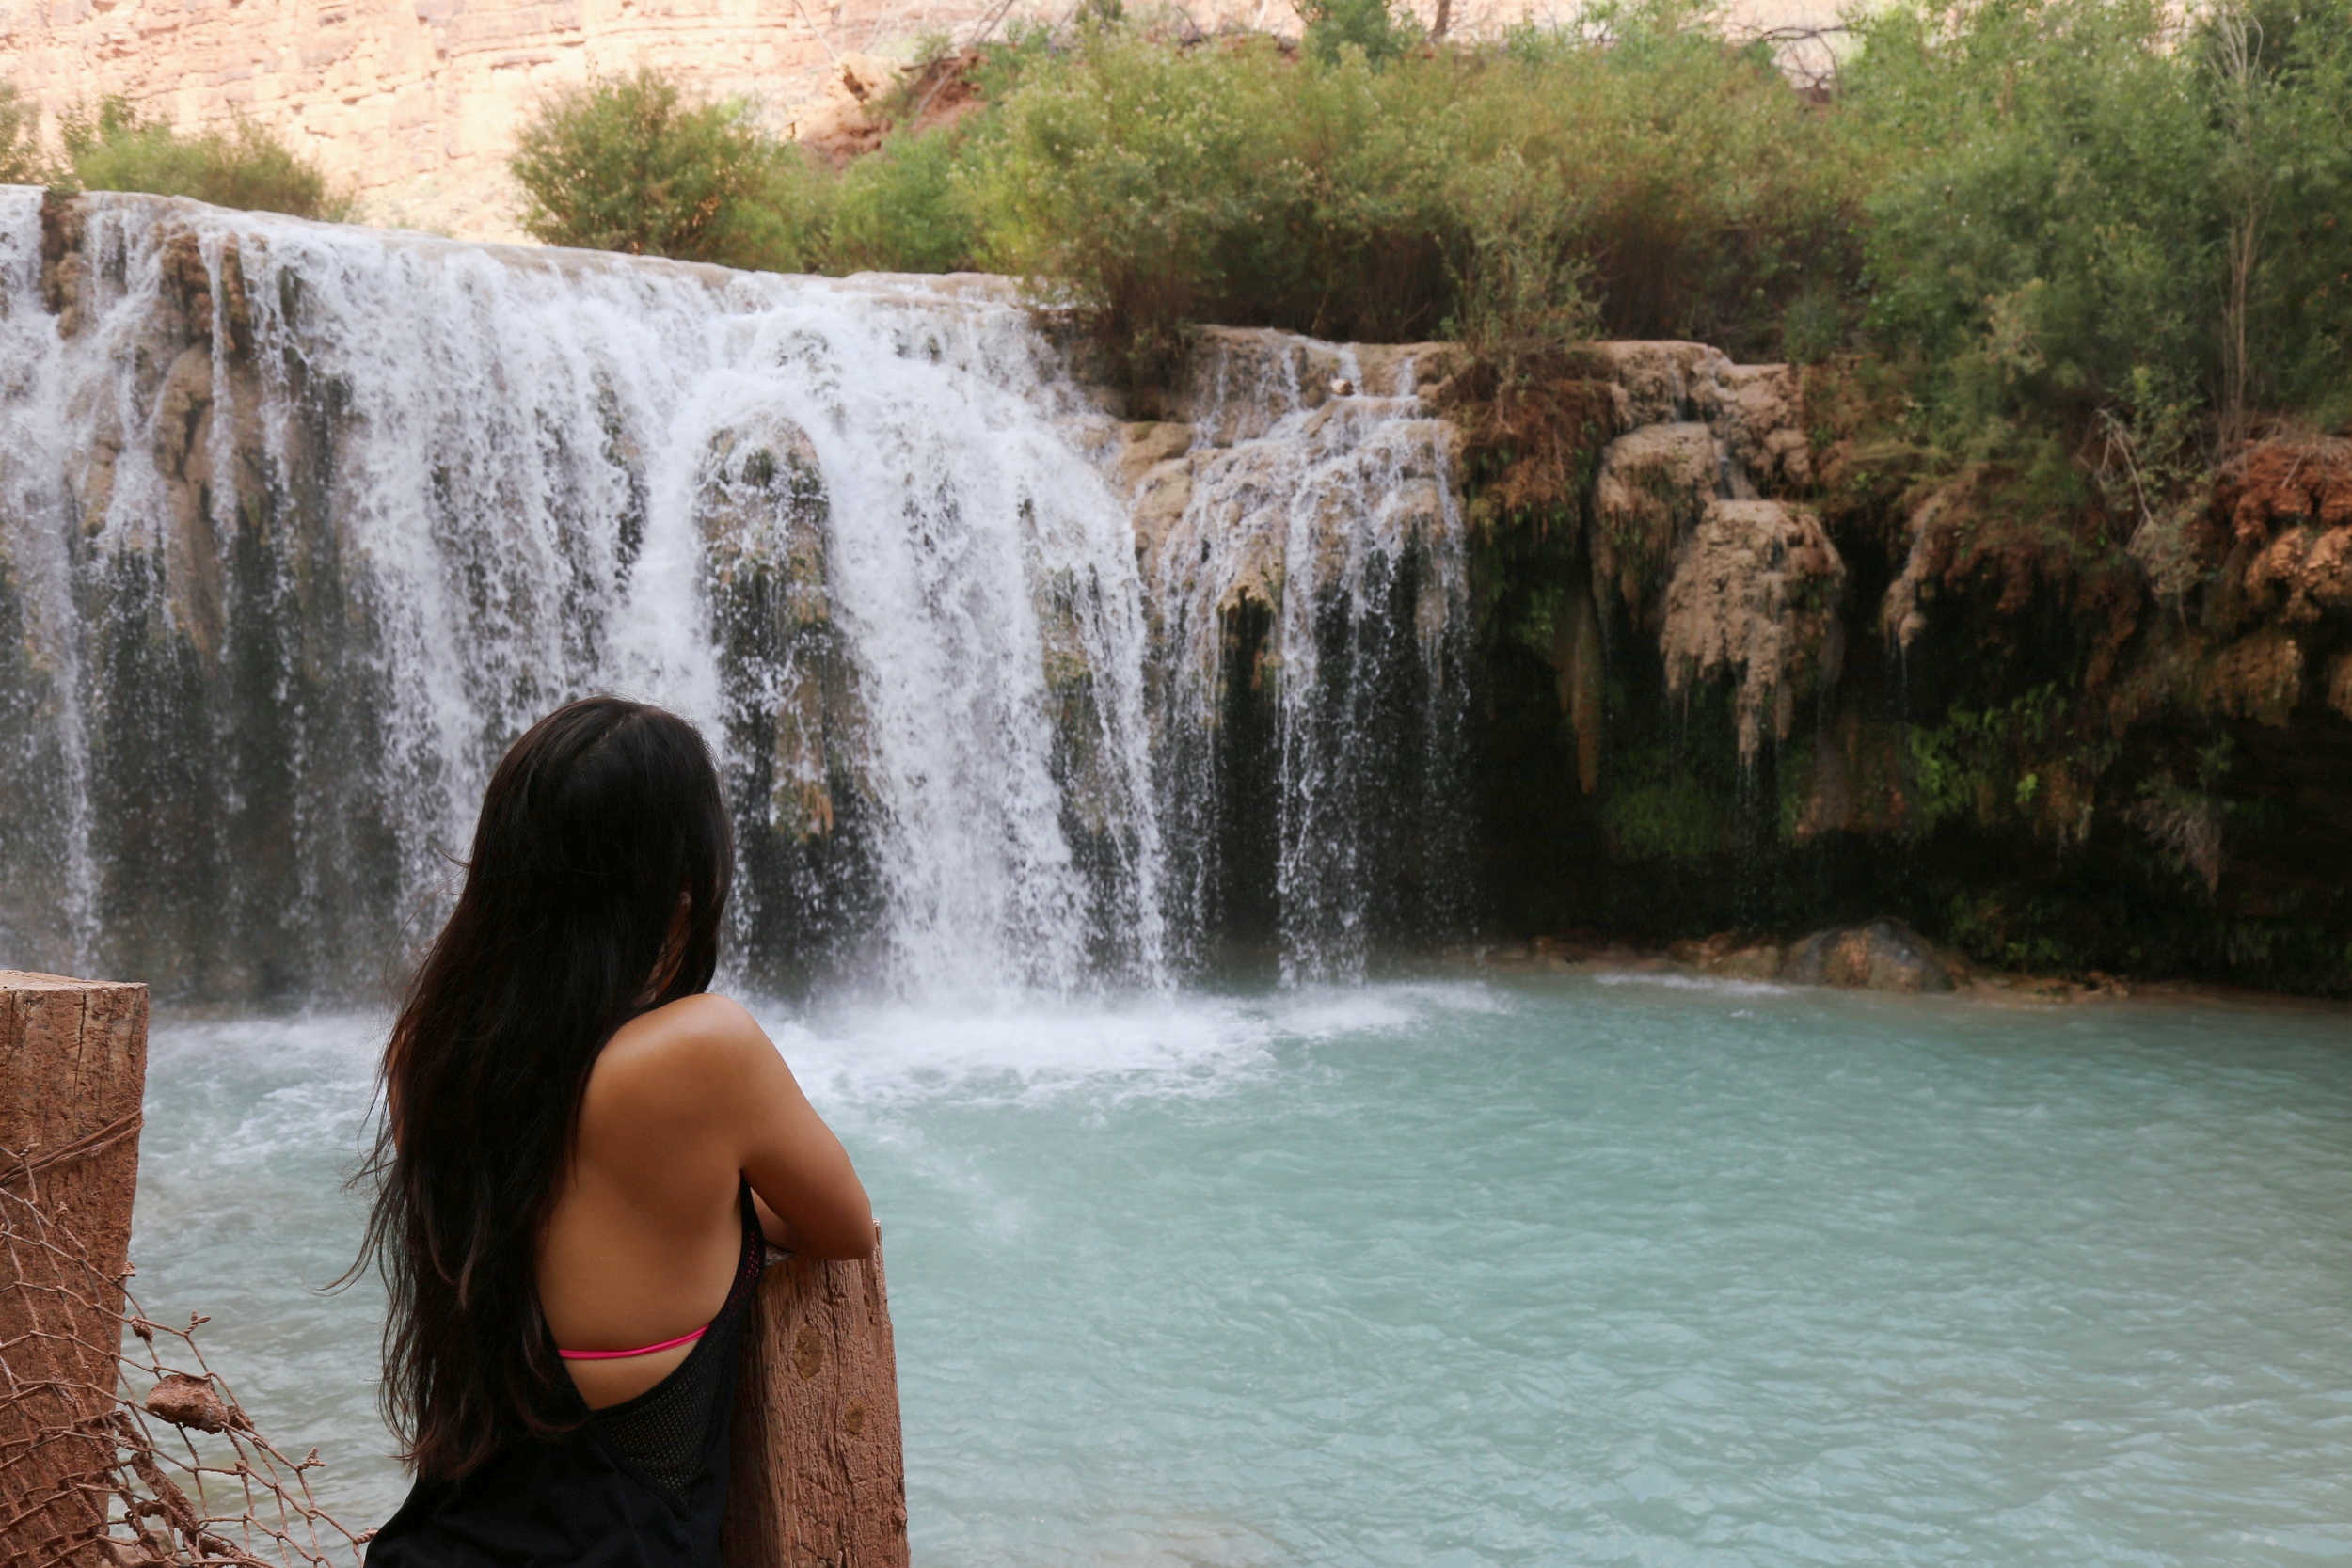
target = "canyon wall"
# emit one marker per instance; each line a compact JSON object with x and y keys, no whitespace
{"x":416,"y":101}
{"x":1752,"y":662}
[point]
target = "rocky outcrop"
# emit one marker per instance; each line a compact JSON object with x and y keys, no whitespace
{"x":1882,"y":955}
{"x":1798,"y":669}
{"x":1878,"y":955}
{"x":1757,"y":596}
{"x":1654,"y":484}
{"x":792,"y":689}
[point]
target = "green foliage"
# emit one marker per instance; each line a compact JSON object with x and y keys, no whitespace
{"x":631,"y":164}
{"x":1655,"y":183}
{"x":2016,"y":932}
{"x":1705,"y":198}
{"x":1153,"y":188}
{"x":112,"y":146}
{"x":2087,"y":236}
{"x":2066,"y":190}
{"x":22,"y":161}
{"x":1369,"y":28}
{"x":899,"y":210}
{"x":1659,"y":808}
{"x":1975,"y":766}
{"x":2289,"y":167}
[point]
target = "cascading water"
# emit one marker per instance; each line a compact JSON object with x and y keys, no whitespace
{"x":301,"y":525}
{"x":1308,"y":586}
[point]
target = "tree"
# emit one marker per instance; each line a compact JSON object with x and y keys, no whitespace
{"x":21,"y":160}
{"x":114,"y":147}
{"x":630,"y":165}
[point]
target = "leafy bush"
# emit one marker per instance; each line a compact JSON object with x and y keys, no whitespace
{"x":2288,"y":165}
{"x":112,"y":146}
{"x":2063,"y":222}
{"x":2064,"y":186}
{"x":1368,"y":26}
{"x":1705,"y":198}
{"x":1153,"y":187}
{"x":1673,"y":177}
{"x":900,"y":209}
{"x":632,"y":165}
{"x":21,"y":159}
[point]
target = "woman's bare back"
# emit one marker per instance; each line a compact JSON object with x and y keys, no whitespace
{"x":684,"y":1104}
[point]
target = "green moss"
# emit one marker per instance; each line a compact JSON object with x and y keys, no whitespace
{"x":1978,"y":766}
{"x":1661,"y":809}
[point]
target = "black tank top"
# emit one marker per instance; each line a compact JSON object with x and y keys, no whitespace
{"x":638,"y":1484}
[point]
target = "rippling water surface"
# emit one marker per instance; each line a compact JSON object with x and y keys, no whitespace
{"x":1552,"y":1273}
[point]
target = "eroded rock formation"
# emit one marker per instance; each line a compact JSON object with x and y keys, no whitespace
{"x":1789,"y":673}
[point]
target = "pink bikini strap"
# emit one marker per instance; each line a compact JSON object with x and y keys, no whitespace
{"x":642,"y":1349}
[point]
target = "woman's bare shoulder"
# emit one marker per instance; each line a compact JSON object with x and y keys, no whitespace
{"x":685,"y":1049}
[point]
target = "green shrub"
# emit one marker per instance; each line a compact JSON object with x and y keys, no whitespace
{"x":112,"y":146}
{"x":632,"y":165}
{"x":1675,"y":179}
{"x":2289,"y":166}
{"x":1368,"y":26}
{"x":901,"y":208}
{"x":2060,"y":221}
{"x":1653,"y":181}
{"x":2064,"y":186}
{"x":22,"y":161}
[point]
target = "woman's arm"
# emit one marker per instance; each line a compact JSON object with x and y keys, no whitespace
{"x":809,"y":1196}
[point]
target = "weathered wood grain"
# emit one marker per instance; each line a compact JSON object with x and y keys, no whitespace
{"x":72,"y":1070}
{"x":818,"y":1477}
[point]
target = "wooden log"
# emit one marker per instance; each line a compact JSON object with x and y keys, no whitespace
{"x":72,"y":1070}
{"x":818,"y":1475}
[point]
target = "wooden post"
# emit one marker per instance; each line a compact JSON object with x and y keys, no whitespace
{"x":818,"y":1479}
{"x":72,"y":1070}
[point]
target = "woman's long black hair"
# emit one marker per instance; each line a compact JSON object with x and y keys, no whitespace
{"x":602,"y":826}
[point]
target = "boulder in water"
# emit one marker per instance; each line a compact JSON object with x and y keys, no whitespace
{"x":1882,"y":955}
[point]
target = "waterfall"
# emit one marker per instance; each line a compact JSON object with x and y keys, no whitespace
{"x":300,"y":525}
{"x":1310,"y":577}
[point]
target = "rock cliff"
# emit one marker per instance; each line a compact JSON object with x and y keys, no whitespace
{"x":1749,"y":665}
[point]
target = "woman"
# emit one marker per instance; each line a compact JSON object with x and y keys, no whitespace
{"x":582,"y":1155}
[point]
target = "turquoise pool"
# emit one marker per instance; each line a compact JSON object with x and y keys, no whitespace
{"x":1580,"y":1271}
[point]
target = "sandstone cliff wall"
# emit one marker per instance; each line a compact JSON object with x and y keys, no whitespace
{"x":416,"y":101}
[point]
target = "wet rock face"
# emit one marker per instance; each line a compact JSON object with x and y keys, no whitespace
{"x":194,"y":654}
{"x":1757,"y":595}
{"x":796,"y":729}
{"x":1297,"y":526}
{"x":1778,"y":685}
{"x":1654,"y":484}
